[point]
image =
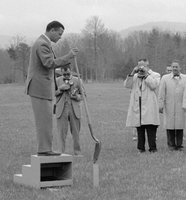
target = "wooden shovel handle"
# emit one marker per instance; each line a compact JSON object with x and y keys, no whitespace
{"x":85,"y":103}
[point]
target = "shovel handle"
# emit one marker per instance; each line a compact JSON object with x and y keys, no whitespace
{"x":85,"y":104}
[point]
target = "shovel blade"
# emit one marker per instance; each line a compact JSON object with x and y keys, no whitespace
{"x":97,"y":151}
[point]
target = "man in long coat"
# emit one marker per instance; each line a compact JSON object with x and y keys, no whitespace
{"x":39,"y":83}
{"x":170,"y":104}
{"x":143,"y":112}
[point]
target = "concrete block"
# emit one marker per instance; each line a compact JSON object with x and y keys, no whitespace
{"x":26,"y":169}
{"x":47,"y":171}
{"x":18,"y":178}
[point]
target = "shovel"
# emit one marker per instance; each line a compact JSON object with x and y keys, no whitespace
{"x":98,"y":143}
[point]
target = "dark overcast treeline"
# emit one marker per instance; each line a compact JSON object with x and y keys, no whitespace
{"x":103,"y":54}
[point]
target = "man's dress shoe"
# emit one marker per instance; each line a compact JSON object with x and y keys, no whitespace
{"x":48,"y":153}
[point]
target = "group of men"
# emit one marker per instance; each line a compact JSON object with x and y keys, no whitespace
{"x":151,"y":95}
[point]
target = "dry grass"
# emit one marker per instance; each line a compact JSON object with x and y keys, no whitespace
{"x":124,"y":174}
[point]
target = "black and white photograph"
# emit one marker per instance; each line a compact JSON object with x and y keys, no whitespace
{"x":92,"y":100}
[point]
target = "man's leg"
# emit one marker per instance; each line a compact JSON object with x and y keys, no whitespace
{"x":42,"y":110}
{"x":172,"y":139}
{"x":75,"y":129}
{"x":141,"y":138}
{"x":151,"y":135}
{"x":62,"y":126}
{"x":168,"y":138}
{"x":179,"y":139}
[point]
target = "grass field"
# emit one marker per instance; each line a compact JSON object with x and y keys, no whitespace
{"x":124,"y":174}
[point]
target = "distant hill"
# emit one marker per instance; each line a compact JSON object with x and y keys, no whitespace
{"x":5,"y":40}
{"x":164,"y":26}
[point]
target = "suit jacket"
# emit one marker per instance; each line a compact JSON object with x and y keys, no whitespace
{"x":40,"y":70}
{"x":60,"y":100}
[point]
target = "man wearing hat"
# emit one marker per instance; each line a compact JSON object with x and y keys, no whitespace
{"x":68,"y":97}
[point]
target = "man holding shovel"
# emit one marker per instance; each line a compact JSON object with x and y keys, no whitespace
{"x":39,"y":84}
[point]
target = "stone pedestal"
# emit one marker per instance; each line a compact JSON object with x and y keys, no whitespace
{"x":46,"y":171}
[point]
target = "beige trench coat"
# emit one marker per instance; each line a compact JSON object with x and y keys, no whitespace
{"x":148,"y":93}
{"x":171,"y":100}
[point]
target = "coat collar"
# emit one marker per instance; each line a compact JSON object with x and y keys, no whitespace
{"x":44,"y":37}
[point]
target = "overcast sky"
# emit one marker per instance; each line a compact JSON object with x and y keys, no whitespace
{"x":30,"y":17}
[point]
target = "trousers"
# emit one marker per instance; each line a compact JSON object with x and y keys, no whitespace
{"x":68,"y":117}
{"x":175,"y":138}
{"x":42,"y":110}
{"x":151,"y":136}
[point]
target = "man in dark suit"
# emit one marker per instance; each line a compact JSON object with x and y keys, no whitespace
{"x":68,"y":97}
{"x":39,"y":83}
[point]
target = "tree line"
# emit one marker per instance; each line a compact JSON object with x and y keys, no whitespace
{"x":103,"y":54}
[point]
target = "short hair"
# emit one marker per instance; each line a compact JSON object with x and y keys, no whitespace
{"x":143,"y":59}
{"x":55,"y":25}
{"x":175,"y":61}
{"x":139,"y":60}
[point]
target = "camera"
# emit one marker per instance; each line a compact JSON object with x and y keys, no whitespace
{"x":141,"y":71}
{"x":68,"y":81}
{"x":66,"y":85}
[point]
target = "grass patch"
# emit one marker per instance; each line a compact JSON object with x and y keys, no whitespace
{"x":124,"y":174}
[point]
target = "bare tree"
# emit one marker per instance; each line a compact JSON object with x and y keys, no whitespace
{"x":19,"y":52}
{"x":23,"y":52}
{"x":93,"y":30}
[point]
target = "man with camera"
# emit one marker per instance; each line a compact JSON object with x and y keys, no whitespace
{"x":68,"y":97}
{"x":143,"y":112}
